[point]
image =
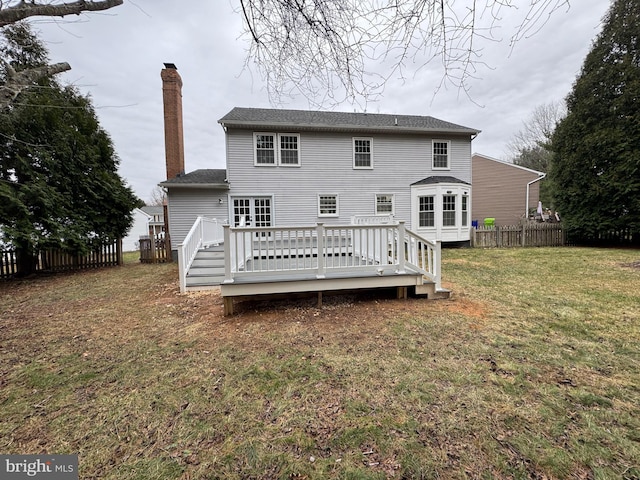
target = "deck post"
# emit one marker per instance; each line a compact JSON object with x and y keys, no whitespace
{"x":437,"y":258}
{"x":228,"y":306}
{"x":181,"y":268}
{"x":227,"y":255}
{"x":321,"y":257}
{"x":400,"y":248}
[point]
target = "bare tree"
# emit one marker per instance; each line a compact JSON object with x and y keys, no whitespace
{"x":158,"y":196}
{"x":325,"y":49}
{"x":15,"y":11}
{"x":529,"y":147}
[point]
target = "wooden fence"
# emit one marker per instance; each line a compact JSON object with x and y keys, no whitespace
{"x":154,"y":251}
{"x":525,"y":235}
{"x":54,"y":260}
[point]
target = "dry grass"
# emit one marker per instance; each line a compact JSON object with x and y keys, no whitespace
{"x":529,"y":371}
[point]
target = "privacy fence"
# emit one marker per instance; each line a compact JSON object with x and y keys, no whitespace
{"x":525,"y":235}
{"x":54,"y":260}
{"x":154,"y":250}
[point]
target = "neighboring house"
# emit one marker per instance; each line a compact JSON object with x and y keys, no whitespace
{"x":503,"y":191}
{"x":291,"y":167}
{"x":139,"y":227}
{"x":156,"y":223}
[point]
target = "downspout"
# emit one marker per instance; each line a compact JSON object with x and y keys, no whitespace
{"x":542,"y":175}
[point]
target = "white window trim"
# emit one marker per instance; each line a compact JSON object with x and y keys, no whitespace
{"x":433,"y":156}
{"x":457,"y":205}
{"x":289,"y":165}
{"x":353,"y":148}
{"x":325,"y":215}
{"x":393,"y":203}
{"x":277,"y":151}
{"x":433,"y":196}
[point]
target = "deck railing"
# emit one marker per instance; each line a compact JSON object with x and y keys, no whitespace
{"x":204,"y":233}
{"x":260,"y":252}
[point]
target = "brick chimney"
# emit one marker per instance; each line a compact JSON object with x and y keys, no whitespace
{"x":173,"y":131}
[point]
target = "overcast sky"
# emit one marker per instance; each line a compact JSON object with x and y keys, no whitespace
{"x":116,"y":56}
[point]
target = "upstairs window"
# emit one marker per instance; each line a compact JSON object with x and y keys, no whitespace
{"x":276,"y":149}
{"x":441,"y":152}
{"x":362,"y":153}
{"x":289,"y":150}
{"x":265,"y":149}
{"x":384,"y":204}
{"x":426,"y":211}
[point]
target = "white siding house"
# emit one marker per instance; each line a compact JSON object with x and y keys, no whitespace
{"x":290,"y":167}
{"x":139,"y":227}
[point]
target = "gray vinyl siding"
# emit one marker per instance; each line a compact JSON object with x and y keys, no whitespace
{"x":500,"y":191}
{"x":326,"y":167}
{"x":185,"y":205}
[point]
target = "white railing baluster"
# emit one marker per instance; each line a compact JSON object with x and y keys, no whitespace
{"x":320,"y":249}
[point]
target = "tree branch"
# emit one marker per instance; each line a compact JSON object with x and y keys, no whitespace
{"x":24,"y":10}
{"x":18,"y":81}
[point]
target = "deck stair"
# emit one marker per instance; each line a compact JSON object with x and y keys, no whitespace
{"x":207,"y":269}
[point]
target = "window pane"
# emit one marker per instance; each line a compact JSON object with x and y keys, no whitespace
{"x":440,"y":155}
{"x":384,"y":204}
{"x":289,"y":150}
{"x":448,"y":210}
{"x":426,"y":211}
{"x":465,"y":211}
{"x":362,"y":153}
{"x":328,"y":205}
{"x":265,"y":151}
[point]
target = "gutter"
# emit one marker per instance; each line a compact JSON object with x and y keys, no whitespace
{"x":542,"y":176}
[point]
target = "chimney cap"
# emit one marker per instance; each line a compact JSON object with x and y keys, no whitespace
{"x":171,"y":65}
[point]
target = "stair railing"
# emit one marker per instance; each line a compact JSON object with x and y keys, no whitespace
{"x":204,"y":233}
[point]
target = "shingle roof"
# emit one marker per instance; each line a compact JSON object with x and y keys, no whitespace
{"x":152,"y":209}
{"x":314,"y":120}
{"x":439,"y":179}
{"x":204,"y":178}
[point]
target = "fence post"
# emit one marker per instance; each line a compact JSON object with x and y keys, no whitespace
{"x":524,"y":234}
{"x":119,"y":253}
{"x":498,"y":237}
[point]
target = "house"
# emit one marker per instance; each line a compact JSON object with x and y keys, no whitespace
{"x":503,"y":191}
{"x":156,"y":222}
{"x":292,"y":167}
{"x":389,"y":188}
{"x":139,"y":227}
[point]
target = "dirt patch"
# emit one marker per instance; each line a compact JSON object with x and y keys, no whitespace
{"x":635,"y":265}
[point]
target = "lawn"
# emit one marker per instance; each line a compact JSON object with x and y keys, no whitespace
{"x":530,"y":370}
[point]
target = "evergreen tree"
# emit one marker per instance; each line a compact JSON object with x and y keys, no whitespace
{"x":59,"y":185}
{"x":596,"y":163}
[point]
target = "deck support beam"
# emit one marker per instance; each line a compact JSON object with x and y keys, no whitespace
{"x":228,"y":306}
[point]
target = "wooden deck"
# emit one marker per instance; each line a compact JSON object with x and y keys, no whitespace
{"x":316,"y":259}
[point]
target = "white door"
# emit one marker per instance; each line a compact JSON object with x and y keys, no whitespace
{"x":252,"y":212}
